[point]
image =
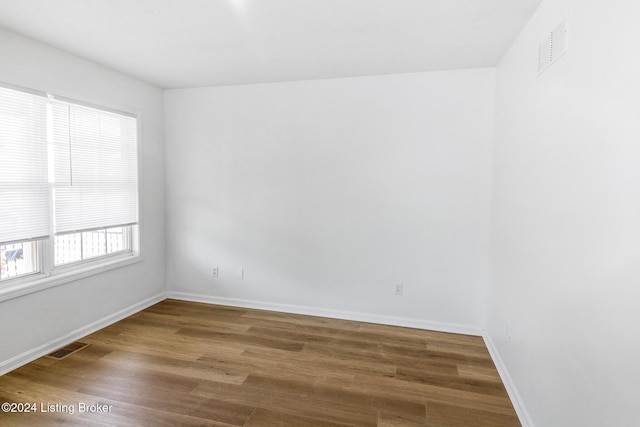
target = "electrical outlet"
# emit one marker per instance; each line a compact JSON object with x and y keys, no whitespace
{"x":214,"y":272}
{"x":398,"y":289}
{"x":239,"y":273}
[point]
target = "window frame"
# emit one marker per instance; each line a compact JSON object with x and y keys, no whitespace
{"x":48,"y":273}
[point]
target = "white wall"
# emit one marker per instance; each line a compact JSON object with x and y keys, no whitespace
{"x":566,"y":218}
{"x":32,"y":321}
{"x":329,"y":192}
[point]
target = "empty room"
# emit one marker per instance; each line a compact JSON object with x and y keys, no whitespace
{"x":319,"y":213}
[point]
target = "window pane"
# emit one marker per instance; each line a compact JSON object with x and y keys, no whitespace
{"x":18,"y":259}
{"x":93,"y":244}
{"x":117,"y":239}
{"x":68,"y":248}
{"x":75,"y":247}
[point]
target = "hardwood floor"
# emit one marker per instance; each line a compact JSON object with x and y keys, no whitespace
{"x":189,"y":364}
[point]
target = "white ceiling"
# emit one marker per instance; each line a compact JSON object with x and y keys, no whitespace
{"x":191,"y":43}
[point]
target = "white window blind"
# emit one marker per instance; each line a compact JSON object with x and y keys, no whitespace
{"x":24,"y":185}
{"x":95,"y":163}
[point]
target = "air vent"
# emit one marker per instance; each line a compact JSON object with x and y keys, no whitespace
{"x":553,"y":47}
{"x":67,"y":350}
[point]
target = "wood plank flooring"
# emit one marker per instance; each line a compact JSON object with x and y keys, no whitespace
{"x":188,"y":364}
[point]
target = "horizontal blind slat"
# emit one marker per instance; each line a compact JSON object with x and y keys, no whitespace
{"x":24,"y":187}
{"x":95,"y":168}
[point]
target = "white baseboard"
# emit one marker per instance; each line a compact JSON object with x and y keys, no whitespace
{"x":31,"y":355}
{"x":514,"y":395}
{"x":335,"y":314}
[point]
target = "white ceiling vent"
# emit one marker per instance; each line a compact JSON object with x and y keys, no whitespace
{"x":553,"y":47}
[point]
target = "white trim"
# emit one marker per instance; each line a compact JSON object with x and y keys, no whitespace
{"x":25,"y":287}
{"x":91,"y":105}
{"x":36,"y":92}
{"x":512,"y":391}
{"x":336,"y":314}
{"x":44,"y":349}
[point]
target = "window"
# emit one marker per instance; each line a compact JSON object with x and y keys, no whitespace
{"x":68,"y":183}
{"x":18,"y":259}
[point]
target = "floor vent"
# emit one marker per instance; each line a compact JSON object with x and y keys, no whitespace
{"x":67,"y":350}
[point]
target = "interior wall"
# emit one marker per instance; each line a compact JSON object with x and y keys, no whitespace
{"x":565,"y":217}
{"x":32,"y":321}
{"x":329,"y":193}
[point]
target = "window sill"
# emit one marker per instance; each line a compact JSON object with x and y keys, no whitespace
{"x":40,"y":283}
